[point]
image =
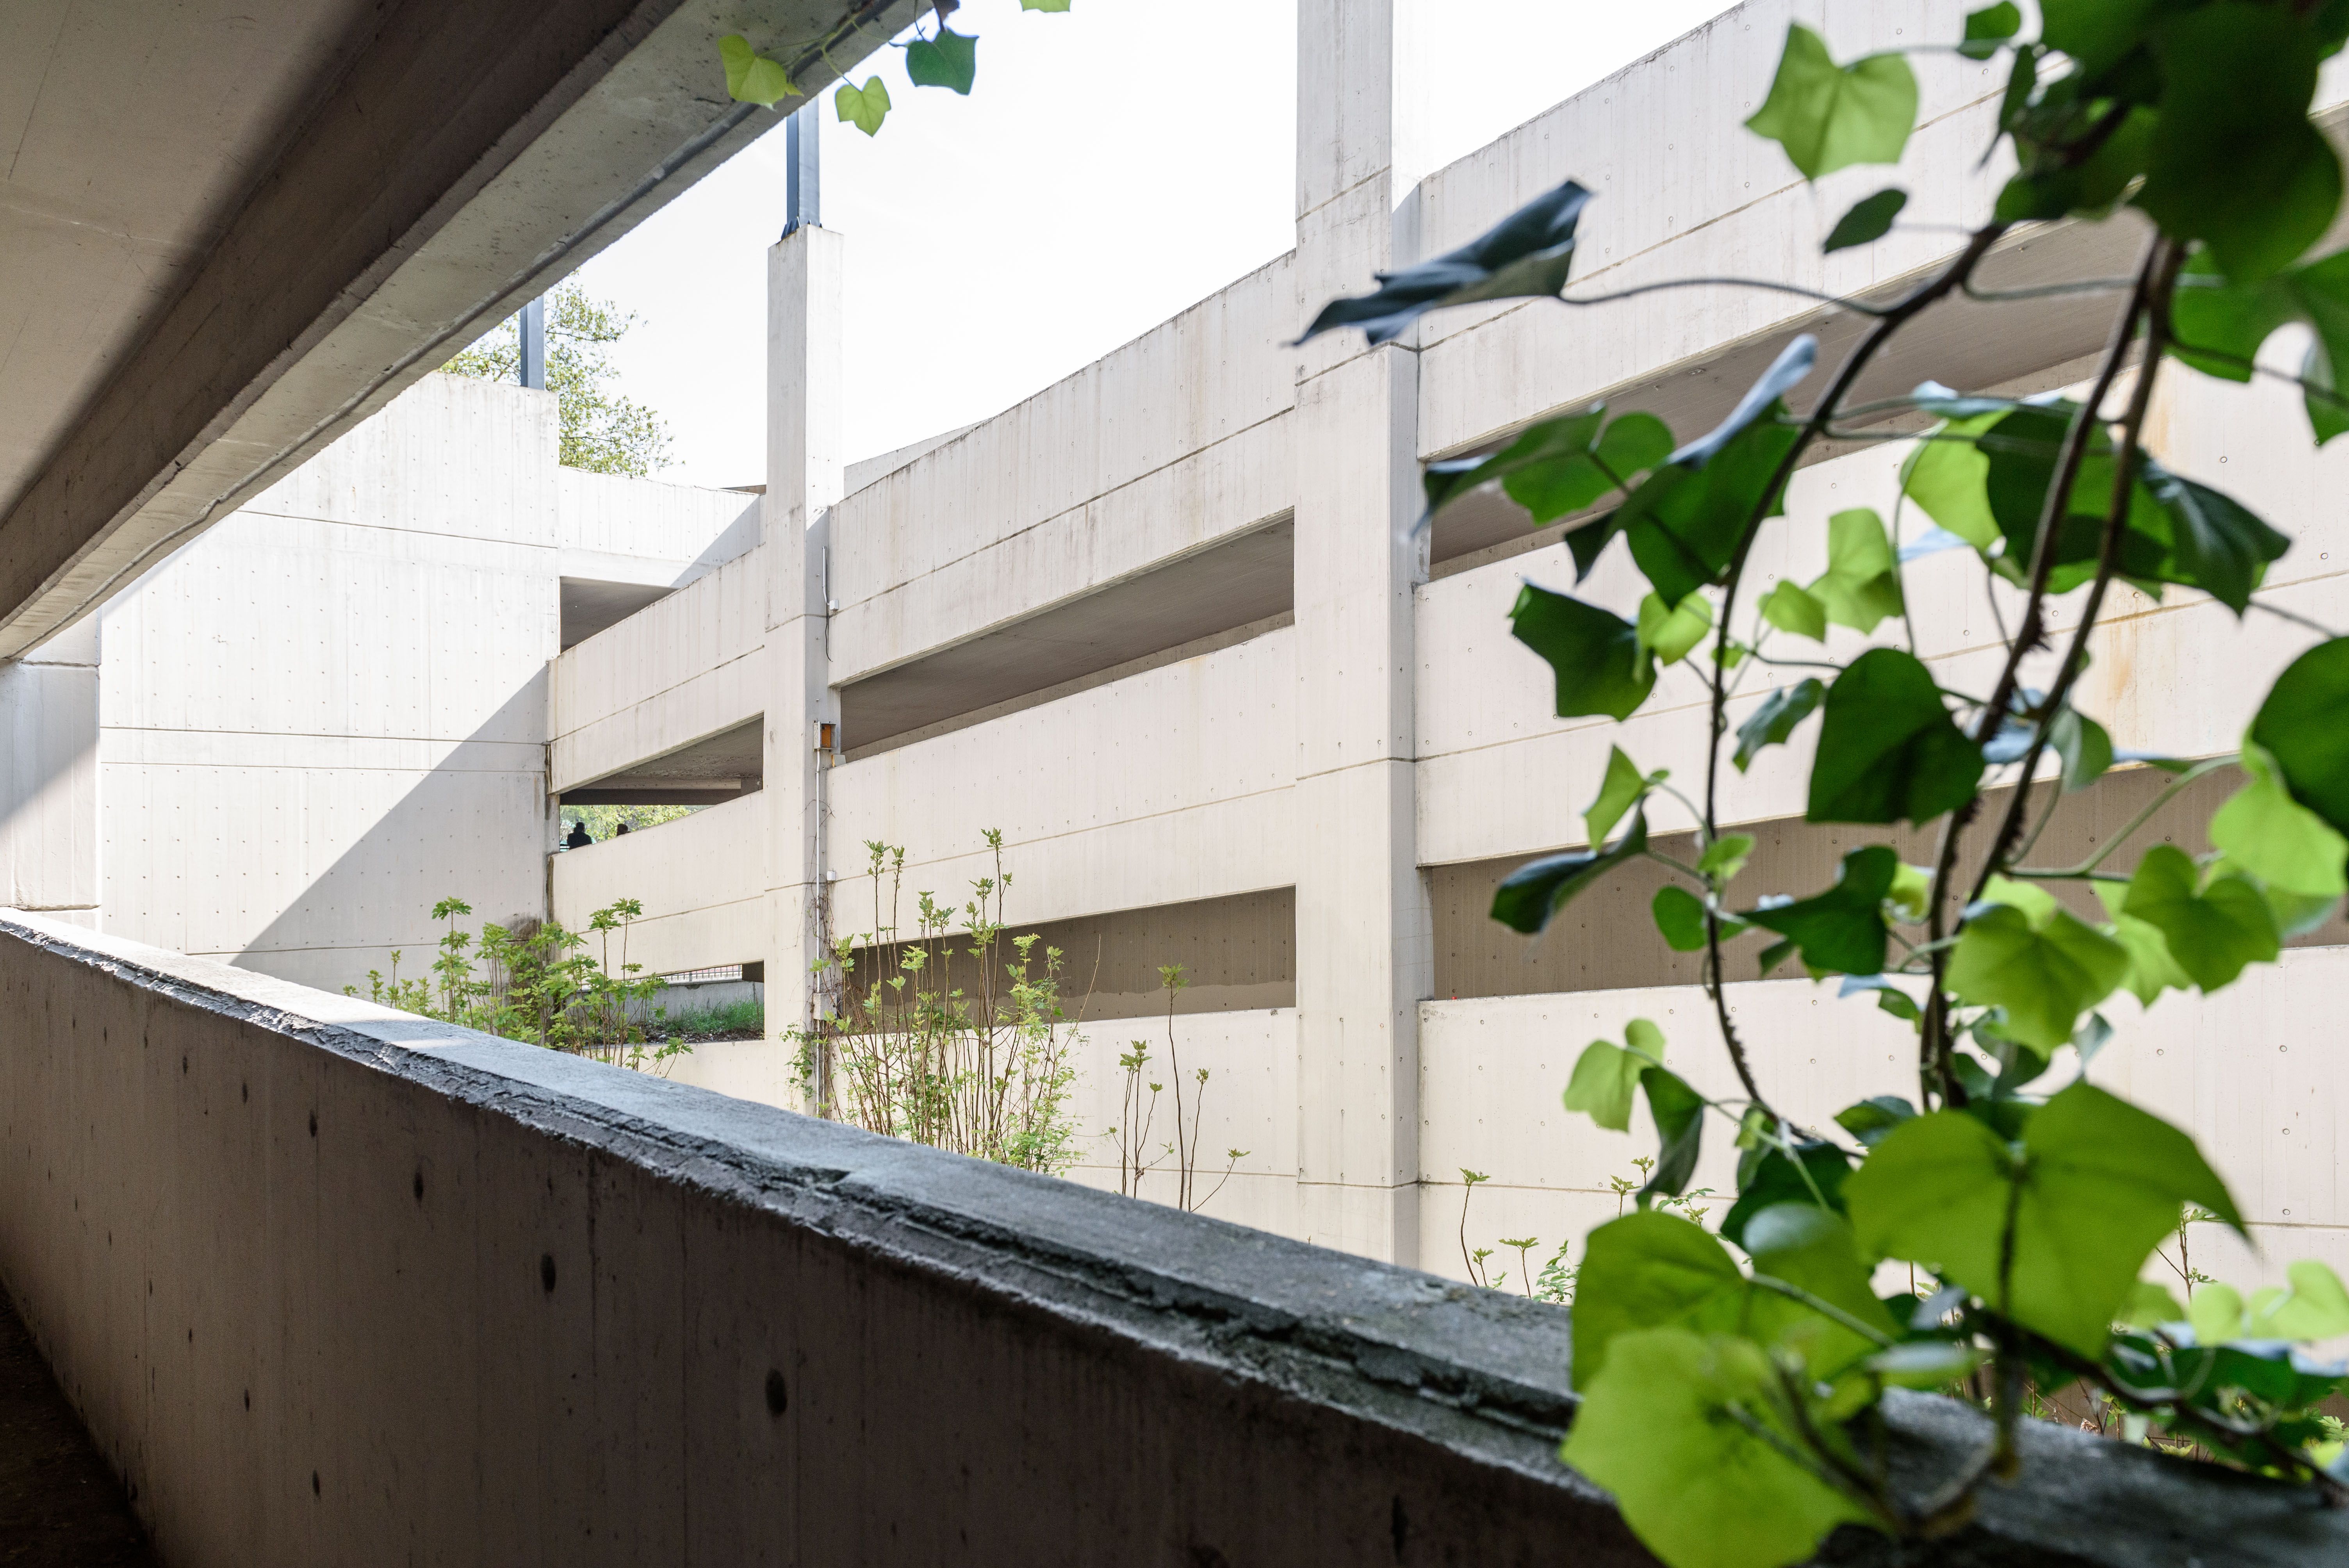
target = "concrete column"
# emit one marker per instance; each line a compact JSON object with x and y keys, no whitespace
{"x":48,"y":777}
{"x":1363,"y":955}
{"x":803,"y":480}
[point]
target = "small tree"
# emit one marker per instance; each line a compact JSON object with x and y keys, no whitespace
{"x":1730,"y":1399}
{"x":602,"y":431}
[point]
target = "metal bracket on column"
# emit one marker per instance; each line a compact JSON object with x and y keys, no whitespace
{"x":533,"y":344}
{"x":803,"y":171}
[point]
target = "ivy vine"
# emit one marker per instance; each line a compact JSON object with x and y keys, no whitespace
{"x":945,"y":59}
{"x":1732,"y":1383}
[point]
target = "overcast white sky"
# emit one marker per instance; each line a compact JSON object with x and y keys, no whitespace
{"x":1114,"y":164}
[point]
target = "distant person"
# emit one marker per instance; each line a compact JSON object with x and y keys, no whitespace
{"x":621,"y":829}
{"x":579,"y":836}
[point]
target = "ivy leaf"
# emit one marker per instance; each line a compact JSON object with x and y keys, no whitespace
{"x":1871,"y":1120}
{"x":2222,"y":325}
{"x":2275,"y":838}
{"x":1948,"y":474}
{"x":2095,"y":1185}
{"x":1607,"y":1078}
{"x":2303,"y":725}
{"x":1600,"y":664}
{"x":1680,"y":916}
{"x":2085,"y":746}
{"x":2234,"y":161}
{"x":1870,"y":219}
{"x":1725,"y":856}
{"x":1828,"y":116}
{"x":1989,"y":28}
{"x":2316,"y":1306}
{"x":1648,"y":1270}
{"x":1560,"y":447}
{"x":1673,"y":633}
{"x":2045,"y":973}
{"x":751,"y":77}
{"x":864,"y":107}
{"x":1662,"y":1430}
{"x":2212,"y":932}
{"x":948,"y":60}
{"x":1796,"y":611}
{"x":1623,"y":788}
{"x":1814,"y":1250}
{"x":2216,"y":545}
{"x":2151,"y":969}
{"x":1525,"y":255}
{"x":1775,"y":719}
{"x":1679,"y":1113}
{"x":1862,"y":582}
{"x":1685,"y":519}
{"x":1840,"y":931}
{"x":1777,"y":1180}
{"x":1043,"y":4}
{"x":1888,"y":749}
{"x":1529,"y":896}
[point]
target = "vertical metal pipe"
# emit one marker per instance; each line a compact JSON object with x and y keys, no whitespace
{"x":804,"y":169}
{"x":533,"y":344}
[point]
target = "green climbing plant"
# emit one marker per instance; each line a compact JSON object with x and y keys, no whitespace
{"x":1732,"y":1383}
{"x":941,"y":58}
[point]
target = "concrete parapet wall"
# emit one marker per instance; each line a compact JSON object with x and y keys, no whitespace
{"x":702,"y":879}
{"x":675,"y":672}
{"x":334,"y":1284}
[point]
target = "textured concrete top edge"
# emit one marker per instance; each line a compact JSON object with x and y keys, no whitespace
{"x":1480,"y":1374}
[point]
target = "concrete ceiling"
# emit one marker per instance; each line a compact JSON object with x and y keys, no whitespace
{"x":231,"y":229}
{"x":709,"y":772}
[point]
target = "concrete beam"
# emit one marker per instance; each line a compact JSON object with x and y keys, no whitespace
{"x":475,"y":153}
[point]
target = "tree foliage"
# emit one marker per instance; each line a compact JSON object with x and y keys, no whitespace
{"x":942,"y":58}
{"x":602,"y":431}
{"x":1731,"y":1384}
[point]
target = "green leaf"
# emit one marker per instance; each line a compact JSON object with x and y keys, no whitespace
{"x":1623,"y":788}
{"x":2095,"y":1185}
{"x":2095,"y":33}
{"x":1599,"y":662}
{"x":950,"y":60}
{"x":1840,"y":931}
{"x":2303,"y":725}
{"x":1870,"y":1120}
{"x":2216,"y":545}
{"x":1794,"y":611}
{"x":1680,"y":915}
{"x":1989,"y":28}
{"x":1605,"y":1078}
{"x":1673,"y":633}
{"x":1648,"y":1270}
{"x":751,"y":77}
{"x":1775,"y":719}
{"x":1679,"y":1113}
{"x":2045,"y":974}
{"x":864,"y":108}
{"x":1662,"y":1431}
{"x":1531,"y":896}
{"x":1684,"y":520}
{"x":2234,"y":161}
{"x":2212,"y":932}
{"x":1634,"y":443}
{"x":2216,"y":1314}
{"x":1946,"y":475}
{"x":1725,"y":856}
{"x":1862,"y":583}
{"x":2275,"y":838}
{"x":2316,"y":1307}
{"x":1777,"y":1180}
{"x":1526,"y":254}
{"x":1888,"y":749}
{"x":1870,"y":219}
{"x":1556,"y":450}
{"x":1043,"y":4}
{"x":1828,"y":118}
{"x":1814,"y":1250}
{"x":2085,"y":746}
{"x":2151,"y":969}
{"x":2222,"y":325}
{"x":2149,"y":1307}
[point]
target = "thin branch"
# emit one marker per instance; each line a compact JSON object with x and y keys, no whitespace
{"x":1887,"y":323}
{"x":2297,"y":619}
{"x":1842,"y":301}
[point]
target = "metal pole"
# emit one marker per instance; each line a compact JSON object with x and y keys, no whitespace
{"x":804,"y":169}
{"x":533,"y":344}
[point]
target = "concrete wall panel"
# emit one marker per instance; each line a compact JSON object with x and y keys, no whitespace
{"x":1170,"y":786}
{"x":48,"y":777}
{"x":701,"y":878}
